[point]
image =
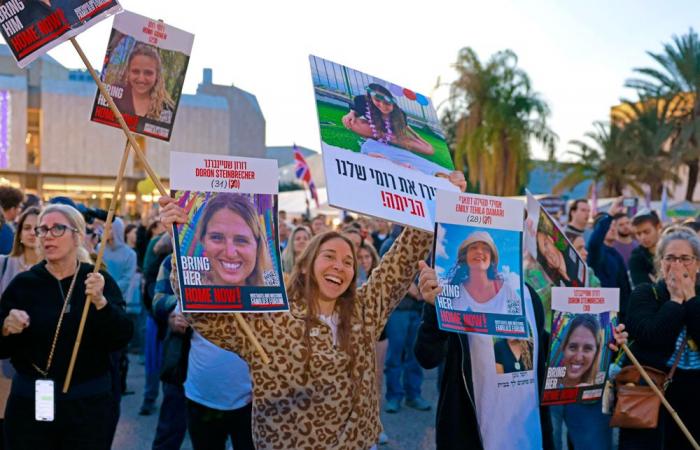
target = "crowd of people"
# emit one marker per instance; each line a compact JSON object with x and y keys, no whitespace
{"x":362,"y":322}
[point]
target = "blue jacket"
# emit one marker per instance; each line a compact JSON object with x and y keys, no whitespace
{"x":607,"y":263}
{"x":7,"y":236}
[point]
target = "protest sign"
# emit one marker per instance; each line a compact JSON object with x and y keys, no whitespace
{"x":144,"y":71}
{"x":384,"y":152}
{"x":550,"y":258}
{"x":478,"y":261}
{"x":582,"y":323}
{"x":33,"y":27}
{"x":227,"y":254}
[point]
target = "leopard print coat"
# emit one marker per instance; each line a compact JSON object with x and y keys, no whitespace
{"x":316,"y":404}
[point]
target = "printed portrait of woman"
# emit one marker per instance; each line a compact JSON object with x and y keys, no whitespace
{"x":235,"y":243}
{"x":512,"y":355}
{"x":481,"y":287}
{"x":144,"y":92}
{"x":377,"y":117}
{"x":580,"y":351}
{"x":551,"y":248}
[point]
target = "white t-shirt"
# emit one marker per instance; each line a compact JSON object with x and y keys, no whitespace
{"x":507,"y":405}
{"x":332,"y":322}
{"x":506,"y":301}
{"x":216,"y":378}
{"x":401,"y":156}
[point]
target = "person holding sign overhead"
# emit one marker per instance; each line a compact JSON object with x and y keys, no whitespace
{"x":40,"y":313}
{"x":319,"y":389}
{"x":144,"y":88}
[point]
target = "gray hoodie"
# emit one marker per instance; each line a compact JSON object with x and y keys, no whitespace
{"x":119,"y":258}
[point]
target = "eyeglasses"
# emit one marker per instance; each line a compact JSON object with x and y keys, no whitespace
{"x":57,"y":230}
{"x":685,"y":259}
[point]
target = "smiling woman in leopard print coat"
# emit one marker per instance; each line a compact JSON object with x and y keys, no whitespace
{"x":319,"y":391}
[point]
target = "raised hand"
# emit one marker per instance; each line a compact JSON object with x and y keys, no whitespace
{"x":428,"y":284}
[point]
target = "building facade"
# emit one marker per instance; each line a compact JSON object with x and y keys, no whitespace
{"x":49,"y":146}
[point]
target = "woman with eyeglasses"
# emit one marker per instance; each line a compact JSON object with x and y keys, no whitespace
{"x":664,"y":325}
{"x":40,"y":313}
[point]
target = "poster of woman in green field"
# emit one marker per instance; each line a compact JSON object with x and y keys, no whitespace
{"x":384,"y":151}
{"x":364,"y":114}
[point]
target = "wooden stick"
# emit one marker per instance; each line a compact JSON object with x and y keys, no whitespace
{"x":98,"y":263}
{"x":151,"y":173}
{"x":251,"y":337}
{"x":660,"y":394}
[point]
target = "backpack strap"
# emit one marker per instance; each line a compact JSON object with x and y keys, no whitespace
{"x":4,"y":266}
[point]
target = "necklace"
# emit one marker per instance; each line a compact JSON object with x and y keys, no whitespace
{"x":386,"y":138}
{"x":23,"y":264}
{"x":66,"y":301}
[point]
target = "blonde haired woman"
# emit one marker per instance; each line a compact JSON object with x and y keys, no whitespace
{"x":144,"y":88}
{"x":297,"y":242}
{"x":40,"y":313}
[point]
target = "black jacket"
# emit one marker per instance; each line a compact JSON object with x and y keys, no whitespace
{"x":456,"y":421}
{"x":608,"y":264}
{"x":654,"y":323}
{"x":641,"y":265}
{"x":37,"y":292}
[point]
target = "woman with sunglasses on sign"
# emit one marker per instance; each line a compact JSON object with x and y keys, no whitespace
{"x":40,"y":313}
{"x":377,"y":117}
{"x":320,"y":388}
{"x":664,"y":327}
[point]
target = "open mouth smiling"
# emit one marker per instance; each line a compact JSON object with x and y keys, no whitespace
{"x":230,"y":266}
{"x":333,"y":279}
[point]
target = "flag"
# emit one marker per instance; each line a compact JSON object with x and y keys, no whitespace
{"x":303,"y":173}
{"x":647,"y":198}
{"x":594,"y":199}
{"x":664,"y":204}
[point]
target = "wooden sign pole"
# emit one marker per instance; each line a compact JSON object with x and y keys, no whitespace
{"x":98,"y":263}
{"x":131,"y":142}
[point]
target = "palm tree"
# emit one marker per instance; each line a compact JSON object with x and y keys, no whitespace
{"x":493,"y":113}
{"x":678,"y":77}
{"x":605,"y":159}
{"x":648,"y":130}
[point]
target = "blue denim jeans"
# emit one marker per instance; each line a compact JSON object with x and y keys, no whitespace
{"x":401,"y":330}
{"x":587,"y":426}
{"x":154,"y":356}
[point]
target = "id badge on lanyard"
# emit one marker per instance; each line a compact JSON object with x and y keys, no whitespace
{"x":44,"y":405}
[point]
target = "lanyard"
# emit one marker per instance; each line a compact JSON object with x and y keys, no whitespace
{"x":66,"y":300}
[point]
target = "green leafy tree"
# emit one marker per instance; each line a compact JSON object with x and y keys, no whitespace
{"x":677,"y":76}
{"x":491,"y":115}
{"x":602,"y":158}
{"x":648,"y":130}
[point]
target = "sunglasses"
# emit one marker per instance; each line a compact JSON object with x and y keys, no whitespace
{"x":382,"y":98}
{"x":57,"y":230}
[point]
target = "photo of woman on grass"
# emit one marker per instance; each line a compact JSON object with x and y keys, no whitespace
{"x":377,"y":117}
